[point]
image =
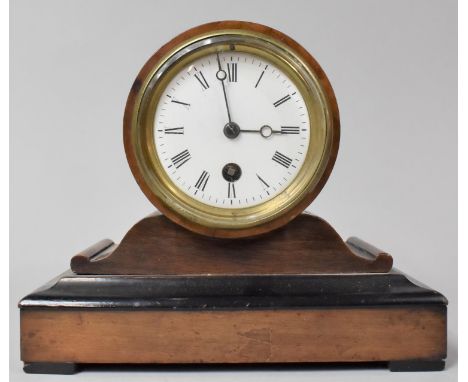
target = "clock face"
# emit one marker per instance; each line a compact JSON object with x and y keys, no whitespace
{"x":231,"y":129}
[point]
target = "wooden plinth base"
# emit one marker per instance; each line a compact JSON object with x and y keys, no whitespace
{"x":297,"y":295}
{"x":243,"y":319}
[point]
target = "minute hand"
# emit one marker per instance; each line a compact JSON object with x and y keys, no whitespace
{"x":221,"y":75}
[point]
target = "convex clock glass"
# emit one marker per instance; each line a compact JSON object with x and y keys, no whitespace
{"x":231,"y":132}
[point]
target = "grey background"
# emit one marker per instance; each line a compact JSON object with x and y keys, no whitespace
{"x":393,"y":66}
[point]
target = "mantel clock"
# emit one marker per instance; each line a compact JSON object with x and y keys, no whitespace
{"x":231,"y":130}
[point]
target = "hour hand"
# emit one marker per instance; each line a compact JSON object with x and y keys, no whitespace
{"x":265,"y":131}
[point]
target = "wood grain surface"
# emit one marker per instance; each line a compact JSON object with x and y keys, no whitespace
{"x":321,"y":335}
{"x":156,"y":246}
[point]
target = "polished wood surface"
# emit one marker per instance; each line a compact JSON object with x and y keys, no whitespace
{"x":132,"y":108}
{"x":156,"y":246}
{"x":311,"y":335}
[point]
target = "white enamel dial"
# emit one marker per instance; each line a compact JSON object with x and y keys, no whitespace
{"x":238,"y":155}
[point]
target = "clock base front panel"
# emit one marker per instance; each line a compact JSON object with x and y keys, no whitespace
{"x":79,"y":320}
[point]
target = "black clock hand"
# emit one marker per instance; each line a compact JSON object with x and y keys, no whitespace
{"x":258,"y":131}
{"x":265,"y":131}
{"x":221,"y":75}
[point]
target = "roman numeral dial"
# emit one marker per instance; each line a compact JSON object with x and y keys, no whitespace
{"x":231,"y":129}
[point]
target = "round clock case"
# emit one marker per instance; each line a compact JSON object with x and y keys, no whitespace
{"x":231,"y":129}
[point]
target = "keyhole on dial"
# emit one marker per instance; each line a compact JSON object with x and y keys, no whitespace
{"x":232,"y":172}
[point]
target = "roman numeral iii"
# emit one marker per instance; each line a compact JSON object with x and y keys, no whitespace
{"x":181,"y":158}
{"x":202,"y":181}
{"x":282,"y":159}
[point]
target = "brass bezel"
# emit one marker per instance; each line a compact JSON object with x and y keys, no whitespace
{"x":159,"y":187}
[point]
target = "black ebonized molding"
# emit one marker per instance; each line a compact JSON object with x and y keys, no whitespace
{"x":230,"y":292}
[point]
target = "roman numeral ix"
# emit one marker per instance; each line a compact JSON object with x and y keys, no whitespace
{"x":282,"y":100}
{"x":174,"y":130}
{"x":282,"y":159}
{"x":201,"y":78}
{"x":181,"y":158}
{"x":202,"y":181}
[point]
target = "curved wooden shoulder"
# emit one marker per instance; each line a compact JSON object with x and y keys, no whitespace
{"x":156,"y":246}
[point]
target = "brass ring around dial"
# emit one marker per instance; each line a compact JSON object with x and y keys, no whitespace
{"x":307,"y":75}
